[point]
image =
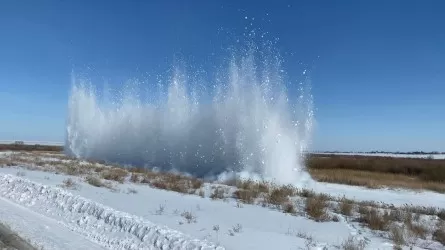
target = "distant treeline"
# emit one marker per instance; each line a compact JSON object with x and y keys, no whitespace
{"x":35,"y":147}
{"x":383,"y":152}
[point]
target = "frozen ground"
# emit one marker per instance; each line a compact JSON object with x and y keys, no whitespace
{"x":135,"y":216}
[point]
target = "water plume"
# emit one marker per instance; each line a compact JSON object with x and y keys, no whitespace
{"x":249,"y":125}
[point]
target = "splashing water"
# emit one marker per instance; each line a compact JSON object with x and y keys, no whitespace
{"x":249,"y":126}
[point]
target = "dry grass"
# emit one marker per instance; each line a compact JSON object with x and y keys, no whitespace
{"x":115,"y":174}
{"x":218,"y":193}
{"x":289,"y":208}
{"x":418,"y":231}
{"x":427,"y":169}
{"x":167,"y":181}
{"x":441,"y":214}
{"x":375,"y":172}
{"x":69,"y":184}
{"x":346,"y":206}
{"x":439,"y":233}
{"x":351,"y":244}
{"x":238,"y":228}
{"x":36,"y":147}
{"x":373,"y":219}
{"x":189,"y":217}
{"x":246,"y":196}
{"x":279,"y":195}
{"x":396,"y":234}
{"x":316,"y":208}
{"x":374,"y":179}
{"x":94,"y":181}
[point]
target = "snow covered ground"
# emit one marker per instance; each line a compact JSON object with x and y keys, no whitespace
{"x":136,"y":216}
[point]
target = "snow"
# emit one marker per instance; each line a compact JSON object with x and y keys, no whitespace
{"x":96,"y":222}
{"x":262,"y":228}
{"x":41,"y":231}
{"x":397,"y":197}
{"x":135,"y":216}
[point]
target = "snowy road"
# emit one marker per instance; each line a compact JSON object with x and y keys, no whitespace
{"x":41,"y":230}
{"x":53,"y":218}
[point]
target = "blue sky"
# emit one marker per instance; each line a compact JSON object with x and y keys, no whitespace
{"x":377,"y":67}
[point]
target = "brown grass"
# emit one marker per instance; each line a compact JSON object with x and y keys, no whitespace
{"x":289,"y":208}
{"x":418,"y":230}
{"x":345,"y":206}
{"x":115,"y":174}
{"x":94,"y":181}
{"x":163,"y":180}
{"x":427,"y":169}
{"x":316,"y":207}
{"x":396,"y":233}
{"x":218,"y":193}
{"x":373,"y":219}
{"x":278,"y":195}
{"x":69,"y":184}
{"x":375,"y":172}
{"x":351,"y":244}
{"x":14,"y":147}
{"x":439,"y":235}
{"x":246,"y":196}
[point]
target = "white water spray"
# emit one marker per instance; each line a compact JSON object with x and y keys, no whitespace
{"x":250,"y":125}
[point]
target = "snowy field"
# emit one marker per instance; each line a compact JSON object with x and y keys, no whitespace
{"x":51,"y":215}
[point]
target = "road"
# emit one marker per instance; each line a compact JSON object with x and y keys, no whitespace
{"x":9,"y":240}
{"x":45,"y":232}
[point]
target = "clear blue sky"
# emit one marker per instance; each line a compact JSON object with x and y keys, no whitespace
{"x":377,"y":67}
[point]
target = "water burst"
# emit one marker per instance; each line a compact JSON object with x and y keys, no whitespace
{"x":250,"y":125}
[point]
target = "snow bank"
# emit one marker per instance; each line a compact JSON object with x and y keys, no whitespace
{"x":104,"y":225}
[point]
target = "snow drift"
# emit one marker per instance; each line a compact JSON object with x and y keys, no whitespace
{"x":99,"y":223}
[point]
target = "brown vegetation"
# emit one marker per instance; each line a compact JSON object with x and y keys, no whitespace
{"x":36,"y":147}
{"x":346,"y":206}
{"x":351,"y":244}
{"x":375,"y":172}
{"x":69,"y":184}
{"x":374,"y":219}
{"x":439,"y":234}
{"x":94,"y":181}
{"x":115,"y":174}
{"x":316,"y":207}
